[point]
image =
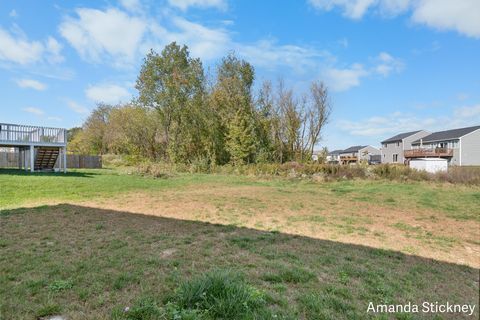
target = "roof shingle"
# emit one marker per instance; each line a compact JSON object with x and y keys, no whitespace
{"x":447,"y":134}
{"x":400,"y":137}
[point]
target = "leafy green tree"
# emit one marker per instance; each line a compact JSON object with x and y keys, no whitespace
{"x":94,"y":130}
{"x":231,"y":100}
{"x":173,"y":84}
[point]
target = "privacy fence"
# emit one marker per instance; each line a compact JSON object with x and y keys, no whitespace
{"x":75,"y":161}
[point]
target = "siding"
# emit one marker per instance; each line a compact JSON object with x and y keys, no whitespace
{"x":364,"y":154}
{"x":470,"y":145}
{"x":405,"y":144}
{"x":391,"y":149}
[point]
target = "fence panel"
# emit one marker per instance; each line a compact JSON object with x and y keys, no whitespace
{"x":74,"y":161}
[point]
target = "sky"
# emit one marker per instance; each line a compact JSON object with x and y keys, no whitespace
{"x":390,"y":65}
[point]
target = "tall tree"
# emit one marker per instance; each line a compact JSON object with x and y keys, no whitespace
{"x":231,"y":100}
{"x":173,"y":84}
{"x":318,"y":114}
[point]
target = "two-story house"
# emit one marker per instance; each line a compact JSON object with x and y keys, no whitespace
{"x":393,"y":148}
{"x":357,"y":154}
{"x":461,"y":147}
{"x":334,"y":156}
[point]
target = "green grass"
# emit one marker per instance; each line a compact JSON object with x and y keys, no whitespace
{"x":54,"y":260}
{"x":90,"y":263}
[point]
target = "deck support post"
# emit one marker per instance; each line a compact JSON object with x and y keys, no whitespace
{"x":64,"y":156}
{"x":19,"y":158}
{"x":32,"y":158}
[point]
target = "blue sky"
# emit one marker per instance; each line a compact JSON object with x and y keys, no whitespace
{"x":390,"y":65}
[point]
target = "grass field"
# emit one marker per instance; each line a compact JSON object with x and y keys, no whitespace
{"x":93,"y":242}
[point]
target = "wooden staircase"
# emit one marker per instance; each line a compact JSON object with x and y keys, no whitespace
{"x":46,"y":158}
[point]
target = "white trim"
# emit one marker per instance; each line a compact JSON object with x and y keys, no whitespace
{"x":460,"y":150}
{"x":470,"y":133}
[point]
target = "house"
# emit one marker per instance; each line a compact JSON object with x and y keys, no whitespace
{"x":357,"y":154}
{"x":334,"y":156}
{"x":461,"y":147}
{"x":393,"y":148}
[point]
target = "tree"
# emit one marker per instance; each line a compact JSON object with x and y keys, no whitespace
{"x":231,"y":101}
{"x":318,"y":114}
{"x":172,"y":83}
{"x":94,"y":129}
{"x":241,"y":138}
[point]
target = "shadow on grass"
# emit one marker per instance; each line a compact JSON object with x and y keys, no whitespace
{"x":18,"y":172}
{"x":92,"y":263}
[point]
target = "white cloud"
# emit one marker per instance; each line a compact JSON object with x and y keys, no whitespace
{"x":131,"y":5}
{"x":97,"y":36}
{"x":344,"y":79}
{"x":206,"y":43}
{"x":391,"y":124}
{"x":78,"y":108}
{"x":112,"y":32}
{"x":32,"y":84}
{"x":388,"y":64}
{"x":185,"y":4}
{"x":462,"y":16}
{"x":270,"y":55}
{"x":107,"y":93}
{"x":19,"y":49}
{"x":54,"y":48}
{"x":354,"y":9}
{"x":16,"y":48}
{"x":57,"y":119}
{"x":472,"y":112}
{"x":13,"y":13}
{"x":33,"y":110}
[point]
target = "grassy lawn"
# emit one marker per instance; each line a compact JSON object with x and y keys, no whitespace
{"x":93,"y":242}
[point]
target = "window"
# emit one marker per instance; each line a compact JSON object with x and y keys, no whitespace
{"x":398,"y":144}
{"x":385,"y":145}
{"x":395,"y":157}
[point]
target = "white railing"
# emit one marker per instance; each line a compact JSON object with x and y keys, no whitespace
{"x":14,"y":133}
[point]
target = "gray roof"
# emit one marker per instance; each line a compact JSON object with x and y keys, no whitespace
{"x":447,"y":135}
{"x":334,"y":152}
{"x":353,"y":149}
{"x":400,"y":137}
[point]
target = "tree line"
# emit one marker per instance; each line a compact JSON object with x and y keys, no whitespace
{"x":182,"y":116}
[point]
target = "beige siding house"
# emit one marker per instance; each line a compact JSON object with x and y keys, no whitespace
{"x":393,"y":148}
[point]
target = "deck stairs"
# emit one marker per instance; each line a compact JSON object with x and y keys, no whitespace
{"x":46,"y":158}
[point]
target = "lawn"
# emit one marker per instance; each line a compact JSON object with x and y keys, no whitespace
{"x":93,"y":242}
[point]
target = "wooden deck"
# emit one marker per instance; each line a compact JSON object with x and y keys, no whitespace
{"x":348,"y":159}
{"x":428,"y":153}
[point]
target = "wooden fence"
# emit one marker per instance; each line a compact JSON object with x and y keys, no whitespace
{"x":10,"y":160}
{"x":83,"y":161}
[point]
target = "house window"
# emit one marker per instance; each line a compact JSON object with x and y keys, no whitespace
{"x":385,"y":145}
{"x":395,"y":157}
{"x":398,"y":144}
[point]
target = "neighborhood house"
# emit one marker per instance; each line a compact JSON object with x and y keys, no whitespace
{"x":461,"y":147}
{"x":357,"y":154}
{"x":393,"y":149}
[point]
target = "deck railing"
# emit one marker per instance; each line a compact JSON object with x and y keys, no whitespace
{"x":14,"y":133}
{"x":348,"y":158}
{"x":436,"y":152}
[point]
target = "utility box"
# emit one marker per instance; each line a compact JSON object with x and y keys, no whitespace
{"x":431,"y":165}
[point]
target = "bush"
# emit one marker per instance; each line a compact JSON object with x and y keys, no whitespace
{"x":316,"y":171}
